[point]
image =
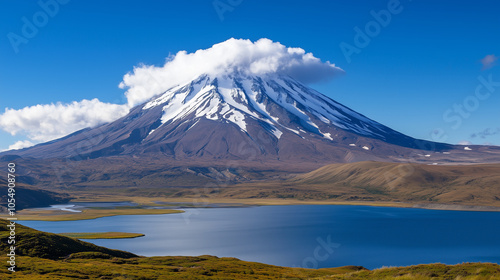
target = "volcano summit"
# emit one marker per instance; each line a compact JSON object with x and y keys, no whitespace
{"x":251,"y":105}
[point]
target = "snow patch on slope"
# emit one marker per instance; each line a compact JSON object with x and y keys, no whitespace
{"x":237,"y":99}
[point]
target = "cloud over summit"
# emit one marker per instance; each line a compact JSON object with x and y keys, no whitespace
{"x":254,"y":58}
{"x":45,"y":122}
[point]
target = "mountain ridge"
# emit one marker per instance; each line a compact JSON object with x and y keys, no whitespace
{"x":236,"y":116}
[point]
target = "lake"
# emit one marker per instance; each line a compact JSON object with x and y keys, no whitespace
{"x":311,"y":236}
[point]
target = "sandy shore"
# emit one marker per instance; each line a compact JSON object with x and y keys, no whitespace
{"x":146,"y":202}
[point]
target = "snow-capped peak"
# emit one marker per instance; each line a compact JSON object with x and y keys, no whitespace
{"x":278,"y":103}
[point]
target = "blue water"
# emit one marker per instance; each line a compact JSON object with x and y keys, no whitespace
{"x":307,"y":235}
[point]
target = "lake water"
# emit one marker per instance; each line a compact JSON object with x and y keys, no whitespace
{"x":306,"y":235}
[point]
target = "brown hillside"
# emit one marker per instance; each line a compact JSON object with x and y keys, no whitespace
{"x":468,"y":184}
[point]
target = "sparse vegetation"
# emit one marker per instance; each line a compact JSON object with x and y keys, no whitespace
{"x":369,"y":183}
{"x":466,"y":271}
{"x":99,"y":266}
{"x":87,"y":214}
{"x":44,"y":255}
{"x":101,"y":235}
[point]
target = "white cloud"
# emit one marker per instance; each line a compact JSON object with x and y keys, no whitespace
{"x":42,"y":123}
{"x":20,"y":145}
{"x":489,"y":61}
{"x":261,"y":57}
{"x":464,"y":142}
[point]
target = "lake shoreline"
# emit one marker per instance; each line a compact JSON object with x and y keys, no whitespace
{"x":173,"y":206}
{"x":214,"y":202}
{"x":407,"y":235}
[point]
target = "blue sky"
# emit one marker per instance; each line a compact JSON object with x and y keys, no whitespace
{"x":417,"y":74}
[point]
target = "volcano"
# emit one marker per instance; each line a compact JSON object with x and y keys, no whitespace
{"x":253,"y":118}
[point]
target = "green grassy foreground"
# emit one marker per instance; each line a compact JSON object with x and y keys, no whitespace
{"x":41,"y":255}
{"x":101,"y":235}
{"x":100,"y":266}
{"x":466,"y":271}
{"x":90,"y":266}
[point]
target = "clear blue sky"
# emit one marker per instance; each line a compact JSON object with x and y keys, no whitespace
{"x":414,"y":70}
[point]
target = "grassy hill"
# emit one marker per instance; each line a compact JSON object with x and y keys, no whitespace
{"x":34,"y":243}
{"x":202,"y":267}
{"x":466,"y":271}
{"x":209,"y":267}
